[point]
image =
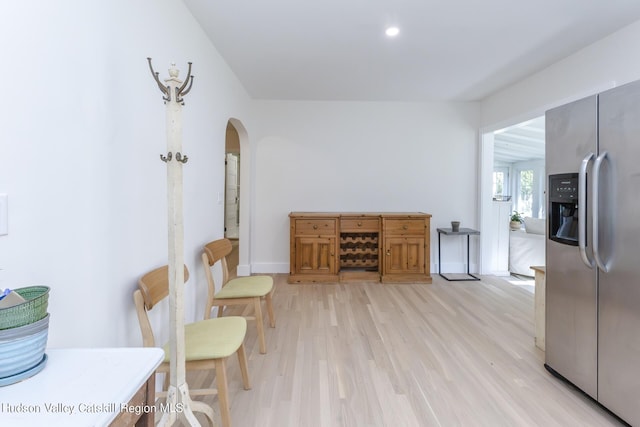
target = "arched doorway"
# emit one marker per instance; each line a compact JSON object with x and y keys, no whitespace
{"x":232,"y":183}
{"x":237,"y":195}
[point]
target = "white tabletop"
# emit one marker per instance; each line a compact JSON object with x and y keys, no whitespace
{"x":78,"y":387}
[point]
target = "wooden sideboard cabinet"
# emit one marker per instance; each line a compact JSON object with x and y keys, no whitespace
{"x":332,"y":247}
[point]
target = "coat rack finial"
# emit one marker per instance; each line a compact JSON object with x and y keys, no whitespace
{"x":181,"y":91}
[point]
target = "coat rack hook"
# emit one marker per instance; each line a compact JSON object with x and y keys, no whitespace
{"x":182,"y":159}
{"x":164,"y":89}
{"x":181,"y":91}
{"x":186,"y":80}
{"x":168,"y":157}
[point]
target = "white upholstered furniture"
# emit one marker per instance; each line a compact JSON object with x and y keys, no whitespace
{"x":527,"y":247}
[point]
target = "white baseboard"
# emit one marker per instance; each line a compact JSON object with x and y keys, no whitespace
{"x":501,"y":273}
{"x":283,"y":268}
{"x":270,"y":268}
{"x":243,"y":270}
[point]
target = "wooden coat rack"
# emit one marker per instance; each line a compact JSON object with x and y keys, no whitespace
{"x":178,"y":398}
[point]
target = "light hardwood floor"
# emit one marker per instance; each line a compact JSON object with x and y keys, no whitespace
{"x":368,"y":354}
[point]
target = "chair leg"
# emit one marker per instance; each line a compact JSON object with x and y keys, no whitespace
{"x":165,"y":381}
{"x":244,"y":369}
{"x":223,"y":392}
{"x":207,"y":310}
{"x":260,"y":324}
{"x":269,"y":301}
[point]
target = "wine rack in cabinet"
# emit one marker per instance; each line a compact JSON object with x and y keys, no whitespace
{"x":359,"y":248}
{"x":330,"y":247}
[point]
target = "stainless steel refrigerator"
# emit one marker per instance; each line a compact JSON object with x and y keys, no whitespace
{"x":593,"y":247}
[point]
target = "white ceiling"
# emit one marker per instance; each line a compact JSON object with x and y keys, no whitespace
{"x":446,"y":50}
{"x":521,"y":142}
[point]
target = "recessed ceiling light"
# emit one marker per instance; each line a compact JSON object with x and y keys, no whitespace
{"x":392,"y":31}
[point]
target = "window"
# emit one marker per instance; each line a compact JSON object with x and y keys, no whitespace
{"x":500,"y":182}
{"x":525,"y":188}
{"x":529,"y":189}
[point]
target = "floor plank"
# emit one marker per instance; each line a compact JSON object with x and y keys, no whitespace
{"x":368,"y":354}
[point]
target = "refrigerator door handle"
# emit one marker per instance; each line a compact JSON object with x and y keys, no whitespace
{"x":582,"y":210}
{"x":596,"y":214}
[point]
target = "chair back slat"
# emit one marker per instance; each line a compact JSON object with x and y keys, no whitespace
{"x":213,"y":252}
{"x":217,"y":250}
{"x":154,"y":285}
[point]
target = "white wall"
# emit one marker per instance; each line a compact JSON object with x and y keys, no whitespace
{"x":361,"y":156}
{"x":609,"y":62}
{"x":83,"y":126}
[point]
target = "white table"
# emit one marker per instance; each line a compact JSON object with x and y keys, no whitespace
{"x":85,"y":387}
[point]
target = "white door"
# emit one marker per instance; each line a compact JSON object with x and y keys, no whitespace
{"x":232,"y":196}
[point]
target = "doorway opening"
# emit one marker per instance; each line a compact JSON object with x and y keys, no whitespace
{"x":513,"y":165}
{"x":232,"y":183}
{"x":518,"y":166}
{"x":232,"y":195}
{"x":237,"y":198}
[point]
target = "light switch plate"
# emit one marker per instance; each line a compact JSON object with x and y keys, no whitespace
{"x":4,"y":215}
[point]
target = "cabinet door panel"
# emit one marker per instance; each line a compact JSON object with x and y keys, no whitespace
{"x":404,"y":255}
{"x":304,"y":255}
{"x":415,"y":255}
{"x":395,"y":255}
{"x":315,"y":255}
{"x":325,"y":257}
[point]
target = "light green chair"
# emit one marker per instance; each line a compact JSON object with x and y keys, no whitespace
{"x":250,"y":290}
{"x":208,"y":343}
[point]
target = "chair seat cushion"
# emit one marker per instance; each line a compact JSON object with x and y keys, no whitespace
{"x":212,"y":338}
{"x":244,"y":287}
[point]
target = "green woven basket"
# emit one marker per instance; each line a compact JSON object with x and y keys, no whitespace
{"x":33,"y":309}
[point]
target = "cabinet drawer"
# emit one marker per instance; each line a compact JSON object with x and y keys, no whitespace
{"x":405,"y":227}
{"x":355,"y":225}
{"x":316,"y":226}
